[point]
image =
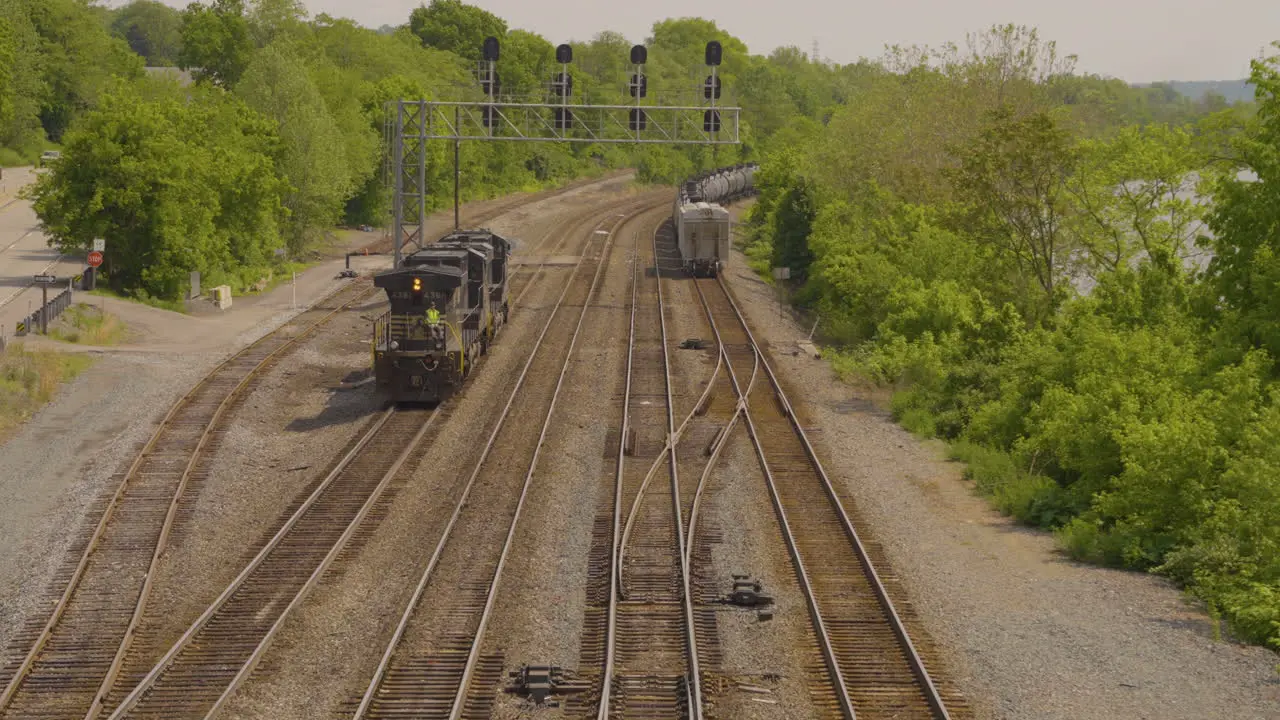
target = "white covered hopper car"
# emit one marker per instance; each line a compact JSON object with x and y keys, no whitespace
{"x":702,"y":224}
{"x":703,"y":232}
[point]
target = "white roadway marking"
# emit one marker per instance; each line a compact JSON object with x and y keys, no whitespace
{"x":20,"y":239}
{"x":14,"y":295}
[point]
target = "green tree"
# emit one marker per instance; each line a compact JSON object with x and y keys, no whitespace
{"x":1012,"y":180}
{"x":1137,"y":193}
{"x":75,"y":57}
{"x":1245,"y":269}
{"x":455,"y":26}
{"x":216,"y":42}
{"x":167,"y":199}
{"x":312,"y":155}
{"x":152,"y":29}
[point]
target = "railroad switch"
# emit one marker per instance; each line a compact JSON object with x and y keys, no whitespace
{"x":747,"y":593}
{"x":537,"y":682}
{"x":694,"y":344}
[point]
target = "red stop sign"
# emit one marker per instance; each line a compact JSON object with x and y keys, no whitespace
{"x":95,"y":259}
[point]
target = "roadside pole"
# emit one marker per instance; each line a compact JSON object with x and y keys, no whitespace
{"x":295,"y":291}
{"x":44,"y":308}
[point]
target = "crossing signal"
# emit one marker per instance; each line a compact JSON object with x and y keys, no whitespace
{"x":563,"y":119}
{"x":711,"y":87}
{"x":562,"y":85}
{"x":638,"y":119}
{"x":711,"y":120}
{"x":639,"y":85}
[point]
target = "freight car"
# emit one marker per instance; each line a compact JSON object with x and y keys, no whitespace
{"x":702,"y":226}
{"x":447,"y":303}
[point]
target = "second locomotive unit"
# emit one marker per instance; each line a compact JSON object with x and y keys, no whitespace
{"x":701,"y":223}
{"x":448,"y":301}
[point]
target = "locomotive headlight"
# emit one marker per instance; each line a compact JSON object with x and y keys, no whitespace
{"x":395,"y":345}
{"x":417,"y":284}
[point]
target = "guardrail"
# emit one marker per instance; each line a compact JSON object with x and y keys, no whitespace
{"x":47,"y":314}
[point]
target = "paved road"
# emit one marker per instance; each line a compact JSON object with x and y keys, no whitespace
{"x":24,"y":252}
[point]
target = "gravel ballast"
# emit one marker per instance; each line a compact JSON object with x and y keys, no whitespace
{"x":1026,"y":633}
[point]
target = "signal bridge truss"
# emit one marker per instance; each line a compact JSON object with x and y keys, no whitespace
{"x":412,"y":123}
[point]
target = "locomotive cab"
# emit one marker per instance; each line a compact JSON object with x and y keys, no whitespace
{"x":447,"y":302}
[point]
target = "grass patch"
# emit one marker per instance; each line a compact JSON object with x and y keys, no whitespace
{"x":88,"y":325}
{"x":30,"y":378}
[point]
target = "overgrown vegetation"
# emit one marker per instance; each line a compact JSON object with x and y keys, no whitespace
{"x":30,"y":378}
{"x":87,"y":325}
{"x":1073,"y":286}
{"x":281,"y":136}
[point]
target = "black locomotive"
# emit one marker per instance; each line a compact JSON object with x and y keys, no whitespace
{"x":447,"y":303}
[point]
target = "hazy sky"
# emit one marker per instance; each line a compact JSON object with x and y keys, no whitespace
{"x":1137,"y":40}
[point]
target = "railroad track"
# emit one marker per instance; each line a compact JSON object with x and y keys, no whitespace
{"x":220,"y":650}
{"x":873,"y":670}
{"x":433,"y":666}
{"x":64,"y":665}
{"x":650,"y":656}
{"x":69,"y":664}
{"x":190,"y":660}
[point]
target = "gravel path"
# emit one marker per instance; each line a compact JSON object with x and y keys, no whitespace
{"x":1025,"y":632}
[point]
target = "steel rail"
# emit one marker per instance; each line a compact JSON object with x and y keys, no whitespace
{"x":932,"y":695}
{"x":473,"y":656}
{"x":249,"y":665}
{"x":824,"y":639}
{"x":668,"y":454}
{"x":739,"y":410}
{"x":611,"y":617}
{"x":149,"y":680}
{"x":73,"y":583}
{"x":567,"y":221}
{"x":691,"y":639}
{"x":406,"y":617}
{"x":118,"y":662}
{"x":669,"y":444}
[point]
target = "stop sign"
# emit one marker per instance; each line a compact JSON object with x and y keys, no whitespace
{"x":95,"y":259}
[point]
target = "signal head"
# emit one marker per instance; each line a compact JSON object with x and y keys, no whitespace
{"x":639,"y":55}
{"x":564,"y":54}
{"x":713,"y":53}
{"x":491,"y":48}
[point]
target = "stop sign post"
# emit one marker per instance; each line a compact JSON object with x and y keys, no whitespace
{"x":94,"y":260}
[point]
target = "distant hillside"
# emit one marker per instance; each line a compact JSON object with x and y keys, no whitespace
{"x":1232,"y":90}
